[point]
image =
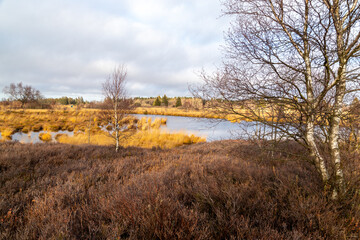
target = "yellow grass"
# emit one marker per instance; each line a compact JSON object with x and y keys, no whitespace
{"x":145,"y":139}
{"x":25,"y":129}
{"x":148,"y":132}
{"x":7,"y":132}
{"x":170,"y":111}
{"x":47,"y":120}
{"x":46,"y":137}
{"x":162,"y":139}
{"x":83,"y":138}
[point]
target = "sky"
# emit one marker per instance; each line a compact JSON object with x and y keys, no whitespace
{"x":68,"y":48}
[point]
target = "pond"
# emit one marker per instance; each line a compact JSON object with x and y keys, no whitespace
{"x":211,"y":129}
{"x":33,"y":137}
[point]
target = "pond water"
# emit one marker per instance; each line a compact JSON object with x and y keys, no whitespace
{"x":211,"y":129}
{"x":33,"y":137}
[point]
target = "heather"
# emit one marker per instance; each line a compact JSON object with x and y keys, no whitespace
{"x":218,"y":190}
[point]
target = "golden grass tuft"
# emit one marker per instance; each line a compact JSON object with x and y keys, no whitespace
{"x":7,"y":132}
{"x":46,"y":137}
{"x":37,"y":128}
{"x":25,"y":129}
{"x":156,"y":124}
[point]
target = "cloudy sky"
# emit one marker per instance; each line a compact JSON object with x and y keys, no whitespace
{"x":67,"y":47}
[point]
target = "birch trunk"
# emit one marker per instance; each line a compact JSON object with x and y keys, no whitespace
{"x":116,"y":127}
{"x":314,"y":152}
{"x":334,"y":139}
{"x":310,"y":121}
{"x":338,"y":102}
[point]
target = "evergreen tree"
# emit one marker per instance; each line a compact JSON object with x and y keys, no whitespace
{"x":165,"y":100}
{"x":178,"y":102}
{"x":157,"y":102}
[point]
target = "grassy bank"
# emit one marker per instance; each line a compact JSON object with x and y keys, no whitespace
{"x":183,"y":112}
{"x":219,"y":190}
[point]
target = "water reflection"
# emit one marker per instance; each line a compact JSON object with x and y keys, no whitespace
{"x":212,"y":129}
{"x":33,"y":137}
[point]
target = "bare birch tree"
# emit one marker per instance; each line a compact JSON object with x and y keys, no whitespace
{"x":299,"y":55}
{"x":24,"y":94}
{"x":116,"y":104}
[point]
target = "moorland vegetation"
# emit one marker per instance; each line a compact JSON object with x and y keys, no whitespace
{"x":88,"y":127}
{"x":218,"y":190}
{"x":291,"y":65}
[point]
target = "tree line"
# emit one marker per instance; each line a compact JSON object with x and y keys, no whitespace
{"x":30,"y":97}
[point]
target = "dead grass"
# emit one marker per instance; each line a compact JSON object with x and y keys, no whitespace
{"x":7,"y":132}
{"x":145,"y":138}
{"x":162,"y":139}
{"x":46,"y":137}
{"x":47,"y":120}
{"x":219,"y":190}
{"x":79,"y":121}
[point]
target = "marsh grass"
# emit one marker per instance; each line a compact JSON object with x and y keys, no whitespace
{"x":147,"y":138}
{"x":200,"y":113}
{"x":78,"y":121}
{"x":7,"y":132}
{"x":46,"y":137}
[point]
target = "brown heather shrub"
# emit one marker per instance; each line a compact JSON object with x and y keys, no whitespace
{"x":219,"y":190}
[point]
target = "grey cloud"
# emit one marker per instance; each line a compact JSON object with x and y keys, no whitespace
{"x":67,"y":48}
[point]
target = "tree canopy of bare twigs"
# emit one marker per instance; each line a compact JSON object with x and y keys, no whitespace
{"x":116,"y":104}
{"x":297,"y":61}
{"x":22,"y":93}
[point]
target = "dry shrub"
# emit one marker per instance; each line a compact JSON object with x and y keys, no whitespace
{"x":219,"y":190}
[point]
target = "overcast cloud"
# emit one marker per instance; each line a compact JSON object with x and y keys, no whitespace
{"x":67,"y":48}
